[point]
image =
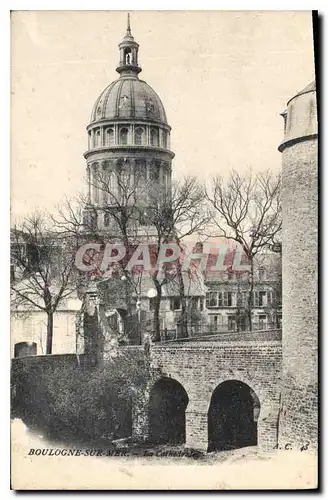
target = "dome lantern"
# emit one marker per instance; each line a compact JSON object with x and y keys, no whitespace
{"x":128,"y":54}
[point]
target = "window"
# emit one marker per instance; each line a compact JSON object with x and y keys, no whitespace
{"x":143,"y":217}
{"x":140,"y":172}
{"x":127,"y":56}
{"x":262,"y":299}
{"x":227,"y":299}
{"x":97,"y":138}
{"x":211,"y":299}
{"x":244,"y":299}
{"x":154,"y":174}
{"x":124,"y":136}
{"x":279,"y":320}
{"x":139,"y":136}
{"x":109,"y":137}
{"x":270,"y":298}
{"x":221,"y":299}
{"x":154,"y":137}
{"x":262,"y":321}
{"x":231,"y":299}
{"x":175,"y":303}
{"x":194,"y":303}
{"x":113,"y":187}
{"x":152,"y":302}
{"x":214,"y":322}
{"x":232,"y":323}
{"x":106,"y":219}
{"x":201,"y":304}
{"x":242,"y":323}
{"x":262,"y":274}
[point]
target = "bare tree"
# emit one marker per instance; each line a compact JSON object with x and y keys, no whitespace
{"x":176,"y":215}
{"x":137,"y":211}
{"x":43,"y":268}
{"x":246,"y":208}
{"x":120,"y":204}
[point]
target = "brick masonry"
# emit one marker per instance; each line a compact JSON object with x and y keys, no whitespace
{"x":200,"y":368}
{"x":300,"y":321}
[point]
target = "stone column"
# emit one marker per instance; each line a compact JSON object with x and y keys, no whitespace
{"x":89,"y":184}
{"x":140,"y":415}
{"x":115,"y":134}
{"x":196,"y":430}
{"x":131,"y":132}
{"x":95,"y":183}
{"x":148,"y":135}
{"x":104,"y":173}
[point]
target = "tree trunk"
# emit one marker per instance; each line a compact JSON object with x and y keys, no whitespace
{"x":157,"y":323}
{"x":250,"y":296}
{"x":50,"y":329}
{"x":184,"y":310}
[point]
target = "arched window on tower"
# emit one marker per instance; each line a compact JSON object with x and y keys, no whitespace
{"x":109,"y":137}
{"x":97,"y":138}
{"x":154,"y":137}
{"x":139,"y":136}
{"x":127,"y":56}
{"x":124,"y":136}
{"x":113,"y":188}
{"x":164,"y":136}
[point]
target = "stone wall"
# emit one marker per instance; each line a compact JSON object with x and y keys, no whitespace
{"x":300,"y":308}
{"x":200,"y":368}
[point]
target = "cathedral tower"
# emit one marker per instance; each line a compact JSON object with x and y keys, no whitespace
{"x":128,"y":137}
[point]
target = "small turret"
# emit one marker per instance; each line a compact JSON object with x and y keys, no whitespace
{"x":128,"y":54}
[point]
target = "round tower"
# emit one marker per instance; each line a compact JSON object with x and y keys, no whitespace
{"x":128,"y":137}
{"x":298,"y":420}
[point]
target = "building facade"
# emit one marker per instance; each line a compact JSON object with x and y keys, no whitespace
{"x":227,"y":296}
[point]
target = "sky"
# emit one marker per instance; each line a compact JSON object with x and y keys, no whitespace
{"x":224,"y":77}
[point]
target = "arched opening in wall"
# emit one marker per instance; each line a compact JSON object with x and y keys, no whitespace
{"x":124,"y":136}
{"x":109,"y":137}
{"x":154,"y":137}
{"x":127,"y":56}
{"x":167,"y":408}
{"x":232,"y":417}
{"x":139,"y":136}
{"x":97,"y":138}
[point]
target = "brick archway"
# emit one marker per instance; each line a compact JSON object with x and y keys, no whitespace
{"x":232,"y":416}
{"x":166,"y":412}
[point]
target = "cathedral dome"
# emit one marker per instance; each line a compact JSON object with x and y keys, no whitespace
{"x":128,"y":114}
{"x":128,"y":98}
